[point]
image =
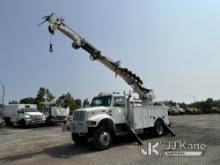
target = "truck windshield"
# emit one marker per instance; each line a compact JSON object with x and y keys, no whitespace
{"x":30,"y":110}
{"x":101,"y":101}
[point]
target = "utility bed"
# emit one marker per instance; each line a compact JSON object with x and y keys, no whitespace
{"x":145,"y":116}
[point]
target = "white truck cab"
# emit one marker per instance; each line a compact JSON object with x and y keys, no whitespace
{"x":111,"y":115}
{"x":23,"y":114}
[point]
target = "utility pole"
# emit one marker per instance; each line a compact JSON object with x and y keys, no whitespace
{"x":3,"y":92}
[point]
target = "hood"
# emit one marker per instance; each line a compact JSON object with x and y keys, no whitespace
{"x":33,"y":113}
{"x":94,"y":109}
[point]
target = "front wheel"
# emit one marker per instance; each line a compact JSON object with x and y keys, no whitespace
{"x":79,"y":139}
{"x":102,"y":138}
{"x":23,"y":123}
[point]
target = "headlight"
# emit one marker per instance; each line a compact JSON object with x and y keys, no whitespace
{"x":43,"y":117}
{"x":91,"y":123}
{"x":27,"y":116}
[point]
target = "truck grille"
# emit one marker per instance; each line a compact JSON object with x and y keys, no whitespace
{"x":36,"y":117}
{"x":61,"y":117}
{"x":79,"y":116}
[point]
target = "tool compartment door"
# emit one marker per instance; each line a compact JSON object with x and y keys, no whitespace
{"x":137,"y":118}
{"x":145,"y":110}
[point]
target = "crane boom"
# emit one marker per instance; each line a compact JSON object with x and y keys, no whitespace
{"x":95,"y":54}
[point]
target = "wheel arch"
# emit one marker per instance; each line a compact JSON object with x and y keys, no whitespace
{"x":159,"y":119}
{"x":103,"y":119}
{"x":107,"y":122}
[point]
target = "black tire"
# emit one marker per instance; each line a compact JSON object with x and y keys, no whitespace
{"x":79,"y":139}
{"x":159,"y":128}
{"x":1,"y":123}
{"x":23,"y":123}
{"x":48,"y":121}
{"x":102,"y":138}
{"x":8,"y":122}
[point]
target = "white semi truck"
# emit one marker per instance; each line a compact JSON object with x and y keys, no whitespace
{"x":23,"y":114}
{"x":110,"y":114}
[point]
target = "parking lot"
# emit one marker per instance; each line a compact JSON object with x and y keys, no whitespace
{"x":49,"y":145}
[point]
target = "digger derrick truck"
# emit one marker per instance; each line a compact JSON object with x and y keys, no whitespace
{"x":111,"y":114}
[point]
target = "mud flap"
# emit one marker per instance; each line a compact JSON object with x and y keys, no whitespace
{"x":136,"y":136}
{"x":168,"y":129}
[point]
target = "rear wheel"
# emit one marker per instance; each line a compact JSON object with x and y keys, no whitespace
{"x":159,"y":128}
{"x":102,"y":138}
{"x":8,"y":122}
{"x":80,"y":139}
{"x":1,"y":123}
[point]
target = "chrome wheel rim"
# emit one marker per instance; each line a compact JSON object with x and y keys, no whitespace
{"x":105,"y":138}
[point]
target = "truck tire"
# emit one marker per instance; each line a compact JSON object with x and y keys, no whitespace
{"x":78,"y":139}
{"x":1,"y":123}
{"x":48,"y":121}
{"x":159,"y":128}
{"x":8,"y":122}
{"x":23,"y":123}
{"x":102,"y":138}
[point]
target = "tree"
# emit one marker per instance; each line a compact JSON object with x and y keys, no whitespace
{"x":27,"y":100}
{"x":13,"y":102}
{"x":183,"y":105}
{"x":49,"y":95}
{"x":86,"y":102}
{"x":78,"y":103}
{"x":66,"y":100}
{"x":206,"y":106}
{"x":43,"y":95}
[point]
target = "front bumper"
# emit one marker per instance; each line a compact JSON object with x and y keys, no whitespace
{"x":31,"y":122}
{"x":75,"y":128}
{"x":58,"y":120}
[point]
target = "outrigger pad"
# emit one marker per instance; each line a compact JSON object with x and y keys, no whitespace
{"x":168,"y":129}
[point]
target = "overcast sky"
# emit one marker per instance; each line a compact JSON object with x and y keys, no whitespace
{"x":174,"y":46}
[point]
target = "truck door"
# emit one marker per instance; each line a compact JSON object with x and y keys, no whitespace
{"x":118,"y":110}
